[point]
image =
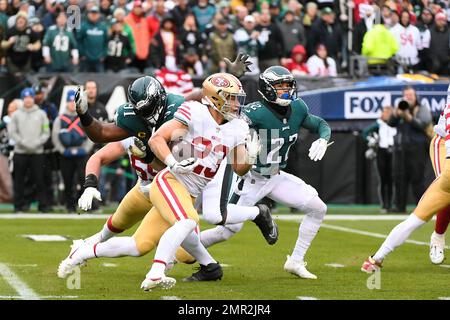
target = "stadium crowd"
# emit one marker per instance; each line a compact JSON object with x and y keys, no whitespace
{"x":186,"y":38}
{"x":309,"y":38}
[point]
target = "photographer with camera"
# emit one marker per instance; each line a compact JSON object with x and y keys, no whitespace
{"x":380,"y":141}
{"x":410,"y":147}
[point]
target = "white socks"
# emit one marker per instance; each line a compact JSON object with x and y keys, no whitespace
{"x":105,"y":234}
{"x":219,"y":234}
{"x":115,"y":247}
{"x":306,"y":233}
{"x":315,"y":211}
{"x":193,"y":245}
{"x":398,"y":236}
{"x":168,"y":245}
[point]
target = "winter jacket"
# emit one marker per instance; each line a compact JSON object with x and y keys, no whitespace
{"x":29,"y":129}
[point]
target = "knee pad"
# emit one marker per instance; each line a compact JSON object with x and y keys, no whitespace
{"x":316,"y":208}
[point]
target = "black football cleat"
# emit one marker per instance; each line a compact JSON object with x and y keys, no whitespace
{"x":266,"y":224}
{"x":211,"y":272}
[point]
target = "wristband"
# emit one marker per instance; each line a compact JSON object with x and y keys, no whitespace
{"x":91,"y":180}
{"x":86,"y":119}
{"x":170,"y":161}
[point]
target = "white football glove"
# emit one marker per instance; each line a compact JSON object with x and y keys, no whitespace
{"x":138,"y":148}
{"x":253,"y":148}
{"x":81,"y":102}
{"x":85,"y":201}
{"x":318,"y":149}
{"x":182,"y":167}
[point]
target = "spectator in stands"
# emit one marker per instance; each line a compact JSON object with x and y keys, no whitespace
{"x":439,"y":54}
{"x":23,"y":8}
{"x":387,"y":17}
{"x":409,"y":42}
{"x":241,"y":13}
{"x":3,"y":15}
{"x":180,"y":12}
{"x":19,"y":42}
{"x":155,"y":17}
{"x":250,"y":5}
{"x":273,"y":49}
{"x":164,"y":47}
{"x":96,"y":108}
{"x":204,"y":13}
{"x":379,"y":45}
{"x":50,"y":159}
{"x":93,"y":42}
{"x":295,"y":7}
{"x":310,"y":15}
{"x":190,"y":37}
{"x":73,"y":146}
{"x":328,"y":32}
{"x":37,"y":62}
{"x":292,"y":32}
{"x":30,"y":130}
{"x":53,"y":8}
{"x":141,"y":34}
{"x":410,"y":147}
{"x":424,"y":25}
{"x":191,"y":63}
{"x":221,"y":44}
{"x":248,"y":42}
{"x":106,"y":9}
{"x":175,"y":81}
{"x":119,"y":14}
{"x":275,"y":11}
{"x":362,"y":27}
{"x":320,"y":64}
{"x":297,"y":62}
{"x":120,"y":53}
{"x":60,"y":50}
{"x":380,"y":138}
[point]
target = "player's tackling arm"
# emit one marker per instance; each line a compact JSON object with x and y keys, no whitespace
{"x":317,"y":125}
{"x":239,"y":164}
{"x":106,"y":155}
{"x":97,"y":131}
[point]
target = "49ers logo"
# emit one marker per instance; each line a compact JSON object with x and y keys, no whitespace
{"x":220,"y":82}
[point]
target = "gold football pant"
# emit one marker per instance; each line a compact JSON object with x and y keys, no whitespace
{"x":132,"y":209}
{"x":437,"y":196}
{"x":437,"y":154}
{"x":172,"y":202}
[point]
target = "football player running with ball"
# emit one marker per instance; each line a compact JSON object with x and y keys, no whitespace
{"x":277,"y":118}
{"x":214,"y":129}
{"x":435,"y":199}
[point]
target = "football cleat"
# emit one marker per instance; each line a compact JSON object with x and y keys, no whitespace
{"x":370,"y":265}
{"x":67,"y":266}
{"x":163,"y":282}
{"x":211,"y":272}
{"x":437,"y":247}
{"x":298,"y":268}
{"x":266,"y":224}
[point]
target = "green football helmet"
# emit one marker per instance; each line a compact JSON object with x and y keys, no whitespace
{"x":275,"y":75}
{"x":148,"y":98}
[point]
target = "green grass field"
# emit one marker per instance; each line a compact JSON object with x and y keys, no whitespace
{"x":253,"y":269}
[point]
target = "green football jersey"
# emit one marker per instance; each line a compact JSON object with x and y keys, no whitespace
{"x":127,"y":119}
{"x":278,"y":133}
{"x":61,"y":42}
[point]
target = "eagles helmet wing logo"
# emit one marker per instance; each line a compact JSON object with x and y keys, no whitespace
{"x":220,"y":82}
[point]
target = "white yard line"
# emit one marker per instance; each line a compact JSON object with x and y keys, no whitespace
{"x":288,"y":217}
{"x":24,"y":291}
{"x":43,"y":297}
{"x":371,"y":234}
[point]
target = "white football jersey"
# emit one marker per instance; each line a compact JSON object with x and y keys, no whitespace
{"x":211,"y":142}
{"x":446,"y":116}
{"x":410,"y":43}
{"x":144,"y":171}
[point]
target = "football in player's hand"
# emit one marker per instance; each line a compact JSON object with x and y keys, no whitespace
{"x":182,"y":150}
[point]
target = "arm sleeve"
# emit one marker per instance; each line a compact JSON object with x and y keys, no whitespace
{"x":317,"y":125}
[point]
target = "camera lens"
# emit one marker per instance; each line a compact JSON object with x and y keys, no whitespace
{"x":403,"y":105}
